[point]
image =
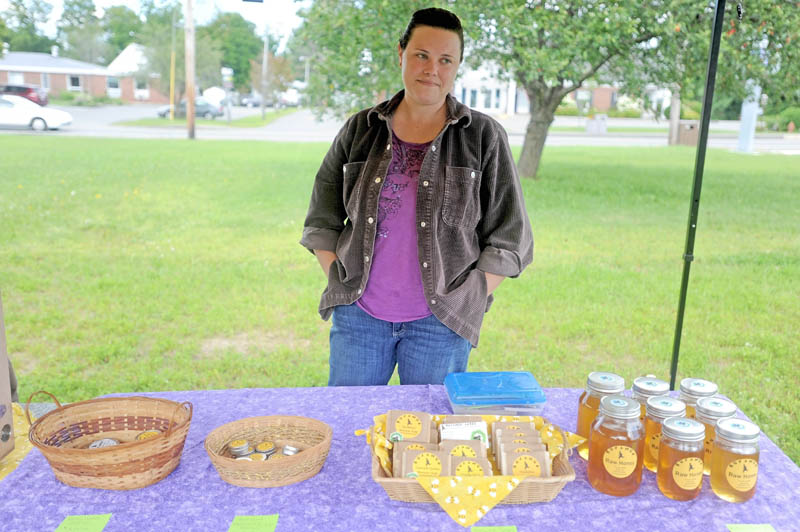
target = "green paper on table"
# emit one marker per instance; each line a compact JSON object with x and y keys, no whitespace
{"x":254,"y":523}
{"x":84,"y":523}
{"x":750,"y":528}
{"x":493,"y":529}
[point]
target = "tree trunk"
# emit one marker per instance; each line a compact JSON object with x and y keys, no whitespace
{"x":674,"y":116}
{"x":543,"y":106}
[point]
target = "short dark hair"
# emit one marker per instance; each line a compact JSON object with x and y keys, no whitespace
{"x":436,"y":18}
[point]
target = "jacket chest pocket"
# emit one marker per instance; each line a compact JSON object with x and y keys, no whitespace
{"x":462,"y":205}
{"x":350,"y":187}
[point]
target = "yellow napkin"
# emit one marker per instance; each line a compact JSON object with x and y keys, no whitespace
{"x":376,"y":439}
{"x":468,"y":499}
{"x":22,"y":445}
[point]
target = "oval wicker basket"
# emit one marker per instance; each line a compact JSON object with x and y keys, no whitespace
{"x":64,"y":434}
{"x":311,"y":436}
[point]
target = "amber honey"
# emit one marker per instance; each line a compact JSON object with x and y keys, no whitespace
{"x":694,"y":389}
{"x":658,"y":409}
{"x":734,"y":460}
{"x":709,"y":411}
{"x":598,"y":385}
{"x":680,"y":459}
{"x":615,"y":447}
{"x":646,"y":387}
{"x":587,"y":413}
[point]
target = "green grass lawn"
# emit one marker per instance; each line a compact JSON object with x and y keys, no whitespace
{"x":133,"y":265}
{"x":248,"y":121}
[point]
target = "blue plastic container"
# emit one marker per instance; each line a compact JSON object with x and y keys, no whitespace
{"x":495,"y":392}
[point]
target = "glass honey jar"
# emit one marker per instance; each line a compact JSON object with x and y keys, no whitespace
{"x":599,"y":384}
{"x":680,"y":458}
{"x":646,"y":387}
{"x":616,"y":442}
{"x":708,"y":411}
{"x":734,"y":459}
{"x":694,"y":389}
{"x":658,"y":409}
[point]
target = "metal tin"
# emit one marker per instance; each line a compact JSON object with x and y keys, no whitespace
{"x":649,"y":386}
{"x":266,"y":447}
{"x":244,"y":458}
{"x":258,"y":457}
{"x":605,"y":383}
{"x":620,"y":407}
{"x":105,"y":442}
{"x":683,"y":429}
{"x":737,"y":430}
{"x":240,"y":447}
{"x":710,"y":409}
{"x":694,"y":389}
{"x":148,"y":434}
{"x":664,"y":407}
{"x":288,"y":450}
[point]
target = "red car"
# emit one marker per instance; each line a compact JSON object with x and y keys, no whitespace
{"x":32,"y":93}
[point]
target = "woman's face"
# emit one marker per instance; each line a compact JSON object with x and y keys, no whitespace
{"x":429,"y":64}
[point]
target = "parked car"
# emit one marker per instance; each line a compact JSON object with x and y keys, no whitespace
{"x":202,"y":107}
{"x":31,"y":92}
{"x":16,"y":111}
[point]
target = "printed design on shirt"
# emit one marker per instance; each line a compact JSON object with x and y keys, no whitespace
{"x":404,"y":171}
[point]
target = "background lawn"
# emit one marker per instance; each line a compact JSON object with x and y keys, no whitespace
{"x":133,"y":265}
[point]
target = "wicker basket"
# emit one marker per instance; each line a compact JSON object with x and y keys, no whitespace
{"x":64,"y":434}
{"x":530,"y":489}
{"x":311,"y":436}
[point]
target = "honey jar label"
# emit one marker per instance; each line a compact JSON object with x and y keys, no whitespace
{"x":526,"y":465}
{"x":469,"y":468}
{"x":463,"y":450}
{"x":408,"y":426}
{"x":741,"y":474}
{"x":620,"y":461}
{"x":427,"y":465}
{"x":688,"y":473}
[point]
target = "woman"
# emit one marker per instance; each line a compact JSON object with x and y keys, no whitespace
{"x":416,"y":216}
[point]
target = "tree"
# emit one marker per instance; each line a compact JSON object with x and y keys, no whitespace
{"x":24,"y":18}
{"x":80,"y":33}
{"x":279,"y":74}
{"x":157,"y":39}
{"x":237,"y":40}
{"x":122,"y":26}
{"x":553,"y":47}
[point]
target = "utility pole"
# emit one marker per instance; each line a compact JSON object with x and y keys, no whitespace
{"x":264,"y":66}
{"x":172,"y":70}
{"x":190,"y":90}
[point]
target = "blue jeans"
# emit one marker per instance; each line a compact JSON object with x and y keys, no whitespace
{"x":364,"y":350}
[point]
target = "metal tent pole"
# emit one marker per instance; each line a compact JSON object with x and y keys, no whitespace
{"x":688,"y":254}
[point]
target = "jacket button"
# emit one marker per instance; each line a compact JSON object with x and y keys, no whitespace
{"x":472,"y":174}
{"x":424,"y":264}
{"x":359,"y":290}
{"x":388,"y":146}
{"x":366,"y":258}
{"x":433,"y":148}
{"x":377,"y":179}
{"x":370,"y":220}
{"x":433,"y":301}
{"x":422,"y":224}
{"x":424,"y":183}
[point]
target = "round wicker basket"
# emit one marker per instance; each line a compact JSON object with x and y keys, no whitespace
{"x":64,"y":434}
{"x":310,"y":436}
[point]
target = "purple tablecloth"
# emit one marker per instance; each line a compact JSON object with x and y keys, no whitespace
{"x":344,"y":497}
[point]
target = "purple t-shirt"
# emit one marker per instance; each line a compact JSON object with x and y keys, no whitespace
{"x":394,"y":290}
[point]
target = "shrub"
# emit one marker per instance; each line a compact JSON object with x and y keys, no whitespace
{"x":624,"y":113}
{"x":790,"y":114}
{"x":67,"y":96}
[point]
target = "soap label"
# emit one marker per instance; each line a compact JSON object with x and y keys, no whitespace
{"x":463,"y":450}
{"x":408,"y":426}
{"x":469,"y":468}
{"x":619,"y":461}
{"x":526,"y":465}
{"x":427,"y":465}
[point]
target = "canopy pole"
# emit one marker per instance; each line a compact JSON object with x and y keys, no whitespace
{"x":688,"y":254}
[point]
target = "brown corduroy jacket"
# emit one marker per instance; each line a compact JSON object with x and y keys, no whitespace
{"x":470,"y":212}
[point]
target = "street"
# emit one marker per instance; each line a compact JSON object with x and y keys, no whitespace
{"x":301,"y":126}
